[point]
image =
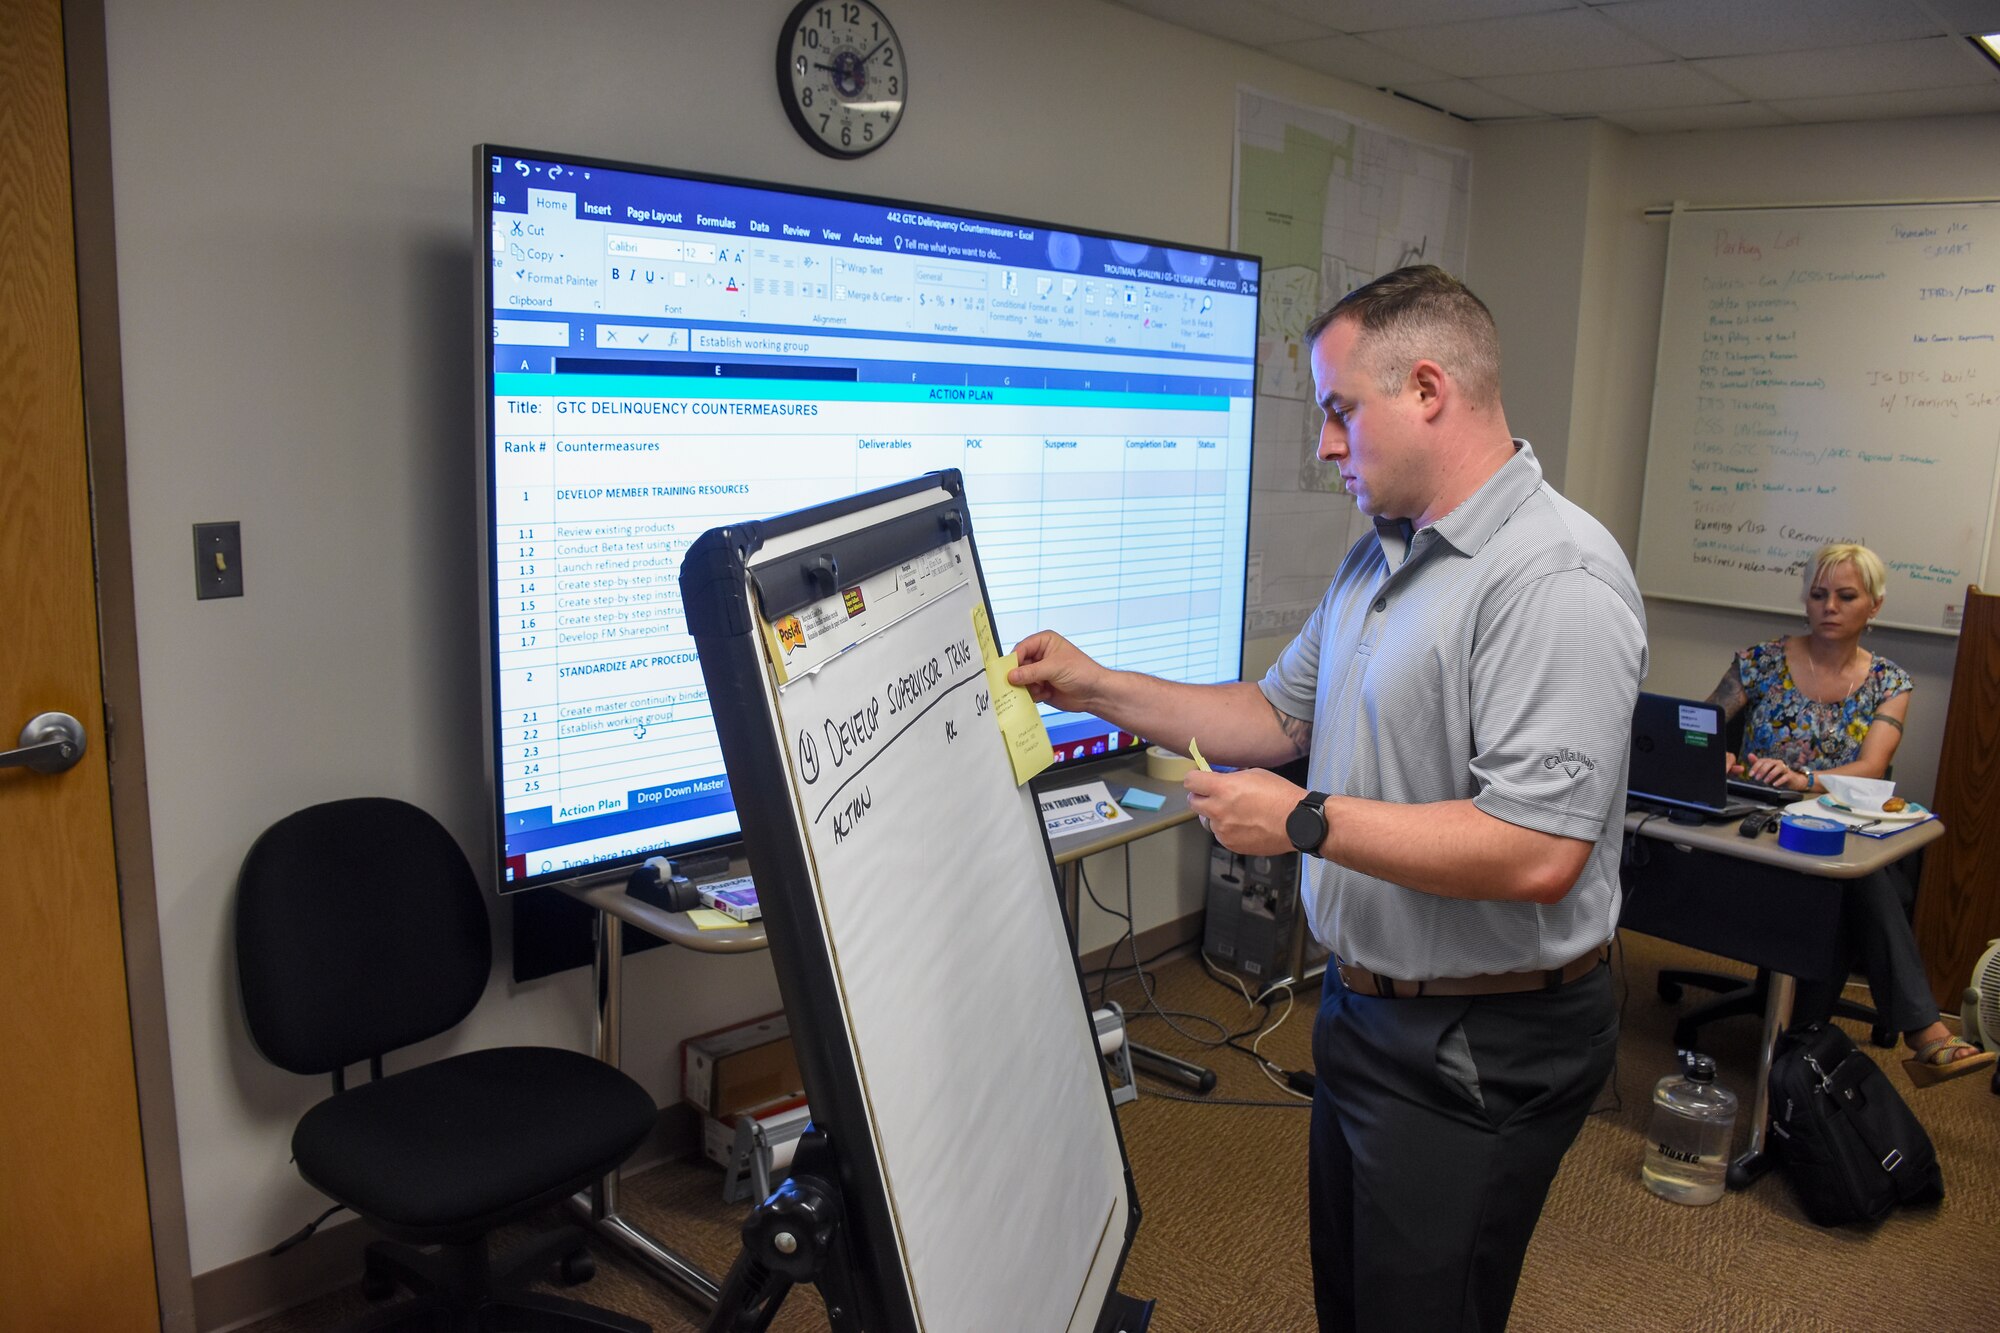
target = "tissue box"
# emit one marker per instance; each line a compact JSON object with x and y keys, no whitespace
{"x":1863,"y":794}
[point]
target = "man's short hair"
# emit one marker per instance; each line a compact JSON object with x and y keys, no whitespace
{"x":1416,"y":313}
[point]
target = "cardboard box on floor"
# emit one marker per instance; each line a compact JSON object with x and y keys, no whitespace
{"x":746,"y":1064}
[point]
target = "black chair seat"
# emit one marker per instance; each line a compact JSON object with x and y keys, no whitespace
{"x":450,"y":1149}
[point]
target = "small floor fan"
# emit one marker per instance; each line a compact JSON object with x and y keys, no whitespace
{"x":1980,"y":1017}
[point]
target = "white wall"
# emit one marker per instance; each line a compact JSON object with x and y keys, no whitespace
{"x":295,"y":241}
{"x":1527,"y":265}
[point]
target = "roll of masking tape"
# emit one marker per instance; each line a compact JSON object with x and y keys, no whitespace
{"x":1165,"y":765}
{"x":1110,"y":1025}
{"x":1812,"y":835}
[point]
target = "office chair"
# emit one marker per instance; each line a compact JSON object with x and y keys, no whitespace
{"x":1745,"y":995}
{"x":359,"y":930}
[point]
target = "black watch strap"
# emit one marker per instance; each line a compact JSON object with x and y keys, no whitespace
{"x":1306,"y":825}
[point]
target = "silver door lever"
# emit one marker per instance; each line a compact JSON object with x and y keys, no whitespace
{"x":49,"y":743}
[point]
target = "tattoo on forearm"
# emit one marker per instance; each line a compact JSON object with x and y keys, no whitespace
{"x":1884,"y":717}
{"x":1728,"y":695}
{"x":1298,"y":731}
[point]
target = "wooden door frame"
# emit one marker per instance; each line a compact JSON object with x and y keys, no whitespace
{"x":88,"y":76}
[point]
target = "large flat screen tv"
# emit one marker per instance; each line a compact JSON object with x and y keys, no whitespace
{"x":662,"y":353}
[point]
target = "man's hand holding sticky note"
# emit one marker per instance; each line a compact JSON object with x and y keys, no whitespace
{"x":1013,"y":707}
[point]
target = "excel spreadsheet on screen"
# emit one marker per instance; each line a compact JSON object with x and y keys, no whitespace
{"x":665,"y":353}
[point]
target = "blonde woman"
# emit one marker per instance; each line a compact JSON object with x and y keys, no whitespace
{"x":1820,"y":702}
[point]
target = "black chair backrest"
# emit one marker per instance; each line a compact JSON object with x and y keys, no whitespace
{"x":359,"y":929}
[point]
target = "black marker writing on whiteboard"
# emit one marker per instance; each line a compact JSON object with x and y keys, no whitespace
{"x":847,"y":817}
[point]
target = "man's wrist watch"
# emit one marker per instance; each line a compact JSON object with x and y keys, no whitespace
{"x":1306,"y":825}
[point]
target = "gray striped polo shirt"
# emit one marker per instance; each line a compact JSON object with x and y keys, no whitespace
{"x":1494,"y":655}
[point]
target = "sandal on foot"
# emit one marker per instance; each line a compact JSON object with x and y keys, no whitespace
{"x":1939,"y":1060}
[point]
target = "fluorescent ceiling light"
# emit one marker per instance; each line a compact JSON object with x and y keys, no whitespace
{"x":1989,"y":45}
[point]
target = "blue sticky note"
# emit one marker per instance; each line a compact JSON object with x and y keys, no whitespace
{"x":1141,"y":799}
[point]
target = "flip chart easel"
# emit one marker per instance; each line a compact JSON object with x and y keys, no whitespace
{"x":964,"y":1142}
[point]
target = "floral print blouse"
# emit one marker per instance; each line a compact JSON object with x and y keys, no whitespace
{"x":1805,"y":733}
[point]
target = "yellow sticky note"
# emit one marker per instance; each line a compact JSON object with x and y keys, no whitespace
{"x":1194,"y":753}
{"x":707,"y":918}
{"x":1013,"y":707}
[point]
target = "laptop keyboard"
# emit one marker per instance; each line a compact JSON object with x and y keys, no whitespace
{"x":1758,"y":791}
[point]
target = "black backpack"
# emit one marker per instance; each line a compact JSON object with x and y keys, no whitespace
{"x":1844,"y":1136}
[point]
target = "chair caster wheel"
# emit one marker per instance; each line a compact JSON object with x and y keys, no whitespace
{"x":1670,"y":991}
{"x":377,"y":1286}
{"x":578,"y":1267}
{"x":1882,"y":1037}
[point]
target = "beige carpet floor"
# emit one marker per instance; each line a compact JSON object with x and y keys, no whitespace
{"x":1222,"y":1243}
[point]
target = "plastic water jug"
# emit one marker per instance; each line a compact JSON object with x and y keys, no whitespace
{"x":1687,"y":1148}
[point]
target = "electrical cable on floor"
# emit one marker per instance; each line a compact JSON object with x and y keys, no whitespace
{"x":1228,"y":1101}
{"x":1228,"y":1038}
{"x":1145,"y":985}
{"x":1129,"y":939}
{"x":1270,"y":1069}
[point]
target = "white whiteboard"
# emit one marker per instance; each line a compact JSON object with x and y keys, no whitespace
{"x":1825,"y":374}
{"x":975,"y":1051}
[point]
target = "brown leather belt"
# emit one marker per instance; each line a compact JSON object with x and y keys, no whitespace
{"x":1363,"y":982}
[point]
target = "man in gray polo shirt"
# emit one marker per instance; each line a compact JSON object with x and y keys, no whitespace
{"x":1464,"y":692}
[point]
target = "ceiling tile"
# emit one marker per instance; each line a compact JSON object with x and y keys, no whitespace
{"x":1242,"y":21}
{"x":1589,"y":92}
{"x":1463,"y":98}
{"x":1675,"y":119}
{"x":1358,"y":61}
{"x":1929,"y":62}
{"x":1371,"y":15}
{"x":1734,"y":27}
{"x":1972,"y":99}
{"x":1531,"y":44}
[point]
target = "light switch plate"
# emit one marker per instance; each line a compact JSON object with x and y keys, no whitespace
{"x":218,"y":560}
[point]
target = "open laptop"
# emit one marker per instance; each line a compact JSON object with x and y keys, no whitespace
{"x":1677,"y":760}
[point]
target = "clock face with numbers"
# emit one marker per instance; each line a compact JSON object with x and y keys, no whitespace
{"x":841,"y":76}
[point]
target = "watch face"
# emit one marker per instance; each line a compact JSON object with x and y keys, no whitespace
{"x":1306,"y":827}
{"x":841,"y":76}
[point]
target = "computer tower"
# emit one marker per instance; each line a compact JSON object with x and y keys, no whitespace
{"x":1255,"y":926}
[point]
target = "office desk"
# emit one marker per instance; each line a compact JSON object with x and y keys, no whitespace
{"x":598,"y":1207}
{"x":1708,"y":887}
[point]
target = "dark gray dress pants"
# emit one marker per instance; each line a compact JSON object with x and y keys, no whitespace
{"x":1878,"y":940}
{"x":1438,"y":1125}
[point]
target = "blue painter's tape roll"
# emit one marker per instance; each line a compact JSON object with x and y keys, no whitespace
{"x":1812,"y":835}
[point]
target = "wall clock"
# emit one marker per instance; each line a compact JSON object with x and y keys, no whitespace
{"x":841,"y":76}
